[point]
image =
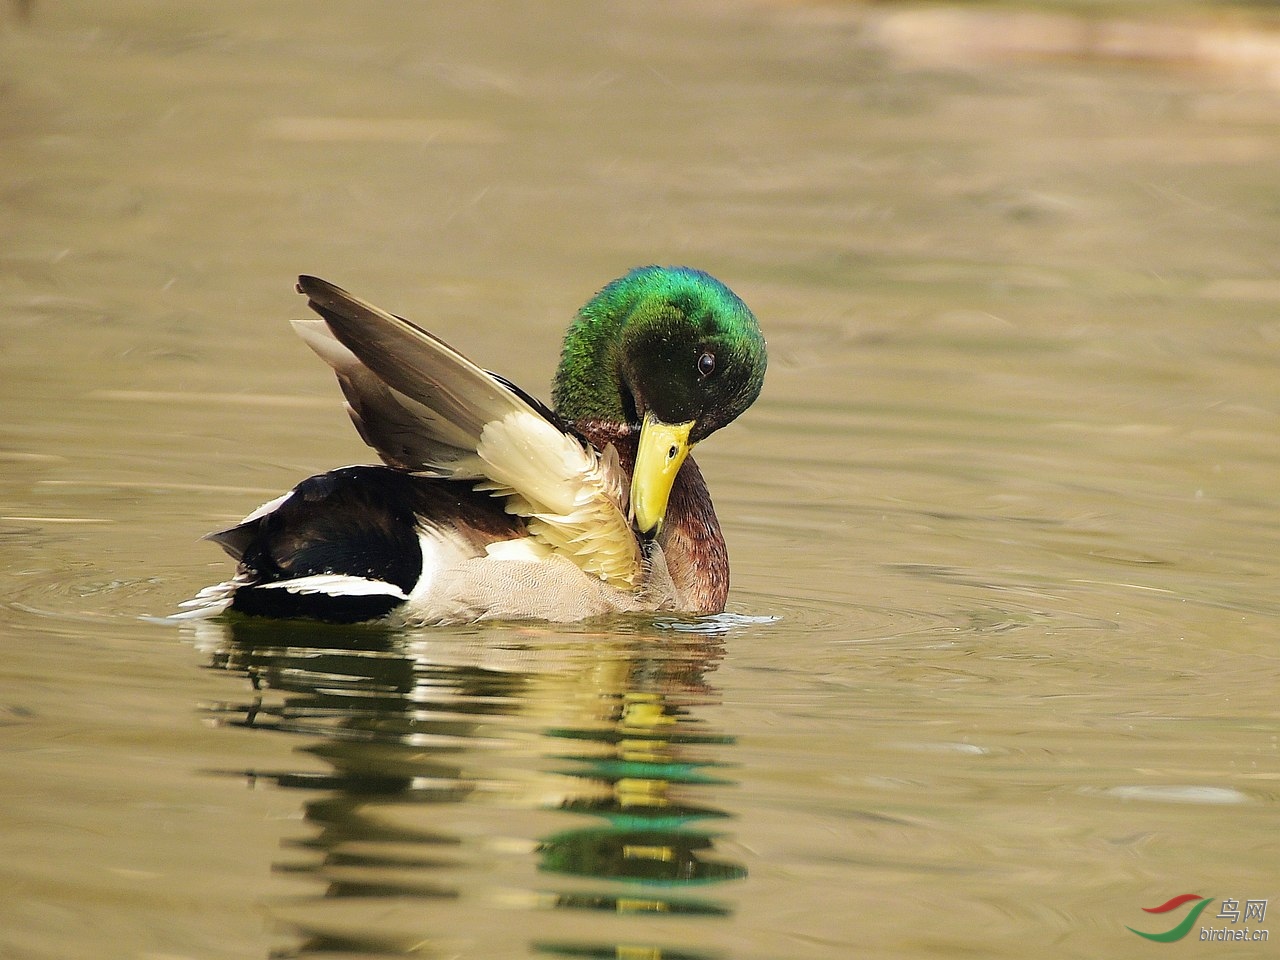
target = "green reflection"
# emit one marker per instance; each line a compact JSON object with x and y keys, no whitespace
{"x":652,"y":856}
{"x":622,"y":952}
{"x":439,"y":761}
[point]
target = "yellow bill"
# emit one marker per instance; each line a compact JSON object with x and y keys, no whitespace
{"x":663,"y":447}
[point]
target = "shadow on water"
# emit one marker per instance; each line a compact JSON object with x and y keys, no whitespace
{"x":544,"y":791}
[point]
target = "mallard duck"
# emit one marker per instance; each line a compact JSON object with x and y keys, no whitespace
{"x":492,"y":505}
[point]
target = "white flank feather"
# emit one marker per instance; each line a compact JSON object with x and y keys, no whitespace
{"x":523,"y":550}
{"x":569,"y":493}
{"x":337,"y":585}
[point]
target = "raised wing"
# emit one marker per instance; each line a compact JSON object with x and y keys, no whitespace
{"x":428,"y":409}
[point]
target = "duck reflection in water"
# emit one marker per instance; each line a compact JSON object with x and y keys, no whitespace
{"x":478,"y":772}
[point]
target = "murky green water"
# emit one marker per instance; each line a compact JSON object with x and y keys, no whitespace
{"x":1001,"y":668}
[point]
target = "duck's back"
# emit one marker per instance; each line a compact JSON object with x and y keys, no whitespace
{"x":361,"y":543}
{"x":350,"y":544}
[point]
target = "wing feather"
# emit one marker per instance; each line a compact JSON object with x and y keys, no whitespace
{"x":570,"y":494}
{"x":407,"y":433}
{"x":428,"y":409}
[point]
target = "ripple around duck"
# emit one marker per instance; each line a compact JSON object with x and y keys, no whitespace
{"x":805,"y":611}
{"x":77,"y":593}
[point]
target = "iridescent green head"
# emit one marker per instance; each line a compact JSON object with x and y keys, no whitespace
{"x":670,"y":350}
{"x":668,"y":340}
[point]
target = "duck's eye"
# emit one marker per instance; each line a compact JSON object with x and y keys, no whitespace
{"x":706,"y":365}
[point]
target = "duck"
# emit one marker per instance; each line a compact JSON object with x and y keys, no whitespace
{"x":491,"y":505}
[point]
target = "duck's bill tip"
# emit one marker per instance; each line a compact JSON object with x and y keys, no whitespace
{"x":662,"y":450}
